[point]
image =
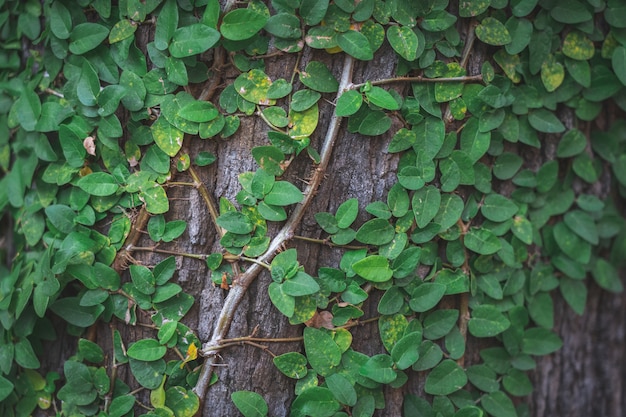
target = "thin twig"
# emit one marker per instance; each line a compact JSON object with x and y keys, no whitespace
{"x":241,"y":284}
{"x":206,"y":196}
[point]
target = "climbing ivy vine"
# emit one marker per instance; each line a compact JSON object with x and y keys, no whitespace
{"x":93,"y":126}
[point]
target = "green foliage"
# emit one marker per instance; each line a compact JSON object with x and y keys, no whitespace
{"x":90,"y":126}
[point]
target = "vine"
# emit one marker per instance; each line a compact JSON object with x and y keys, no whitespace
{"x":100,"y":105}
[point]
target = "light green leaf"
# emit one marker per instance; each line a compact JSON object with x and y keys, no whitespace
{"x":249,"y":403}
{"x":99,"y":184}
{"x":146,"y":350}
{"x":283,"y":193}
{"x":373,"y":268}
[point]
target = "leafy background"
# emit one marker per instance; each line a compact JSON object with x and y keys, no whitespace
{"x":157,"y":150}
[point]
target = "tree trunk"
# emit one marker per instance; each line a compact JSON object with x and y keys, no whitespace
{"x":585,"y":377}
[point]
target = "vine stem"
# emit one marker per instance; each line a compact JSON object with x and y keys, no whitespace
{"x":421,"y":79}
{"x":241,"y":284}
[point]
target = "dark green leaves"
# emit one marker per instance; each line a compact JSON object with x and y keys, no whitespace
{"x":487,"y":321}
{"x":446,"y":378}
{"x":241,"y":24}
{"x":87,"y":36}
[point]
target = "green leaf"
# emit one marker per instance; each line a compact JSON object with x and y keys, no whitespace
{"x":571,"y":144}
{"x":121,"y":405}
{"x":607,"y":276}
{"x":292,"y":364}
{"x":487,"y":321}
{"x":249,"y":403}
{"x":6,"y":388}
{"x":402,"y":140}
{"x":123,"y":29}
{"x":373,"y":268}
{"x":166,"y":136}
{"x":25,"y":355}
{"x":445,"y":378}
{"x":241,"y":24}
{"x":571,"y":12}
{"x":321,"y":350}
{"x":517,"y":383}
{"x":148,"y":374}
{"x":198,"y":111}
{"x":583,"y":225}
{"x":284,"y":25}
{"x":99,"y":184}
{"x":155,"y":198}
{"x":347,"y":212}
{"x":342,"y":389}
{"x":71,"y":311}
{"x":575,"y":293}
{"x":404,"y":41}
{"x":375,"y":232}
{"x":235,"y":222}
{"x":571,"y":244}
{"x":303,"y":99}
{"x":473,"y":8}
{"x":483,"y":377}
{"x":348,"y":103}
{"x":28,"y":109}
{"x":378,"y":368}
{"x":374,"y":123}
{"x":318,"y":77}
{"x":283,"y":193}
{"x":425,"y":203}
{"x":545,"y":121}
{"x":355,"y":44}
{"x":619,"y":63}
{"x":313,"y":11}
{"x":269,"y":159}
{"x":61,"y":216}
{"x":482,"y":241}
{"x":300,"y":284}
{"x":540,"y":341}
{"x":182,"y":402}
{"x":283,"y":302}
{"x":426,"y":296}
{"x":439,"y":323}
{"x":254,"y":86}
{"x":381,"y":98}
{"x":492,"y":32}
{"x":498,"y":404}
{"x":315,"y":401}
{"x":474,"y":142}
{"x":60,"y":20}
{"x":405,"y":352}
{"x":146,"y":350}
{"x":522,"y":229}
{"x":498,"y":208}
{"x":87,"y":36}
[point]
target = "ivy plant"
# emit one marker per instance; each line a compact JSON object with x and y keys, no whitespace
{"x":93,"y":131}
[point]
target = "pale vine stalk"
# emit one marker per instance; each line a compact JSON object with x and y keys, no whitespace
{"x":243,"y":281}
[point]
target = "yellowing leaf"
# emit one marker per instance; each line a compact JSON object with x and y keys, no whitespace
{"x":552,"y":74}
{"x":303,"y":123}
